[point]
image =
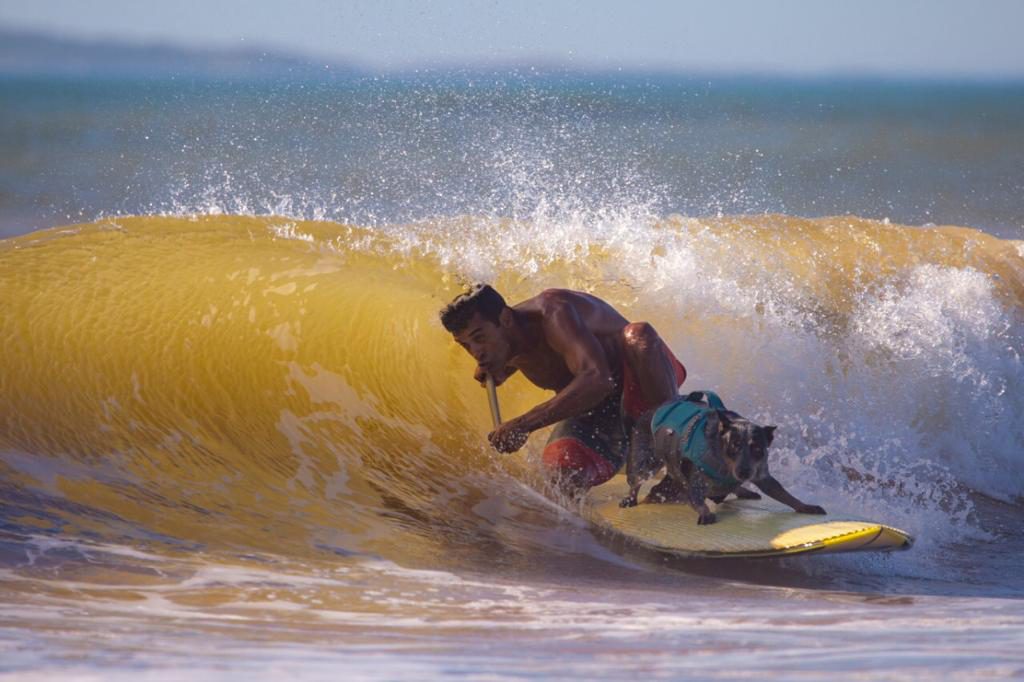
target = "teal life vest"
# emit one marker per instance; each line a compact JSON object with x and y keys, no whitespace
{"x":687,"y":418}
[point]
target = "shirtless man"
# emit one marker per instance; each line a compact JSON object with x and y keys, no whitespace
{"x":608,"y":375}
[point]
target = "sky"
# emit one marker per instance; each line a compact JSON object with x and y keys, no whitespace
{"x":936,"y":38}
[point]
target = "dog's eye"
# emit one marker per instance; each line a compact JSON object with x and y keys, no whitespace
{"x":757,"y":453}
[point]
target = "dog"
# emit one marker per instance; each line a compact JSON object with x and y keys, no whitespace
{"x":710,"y":452}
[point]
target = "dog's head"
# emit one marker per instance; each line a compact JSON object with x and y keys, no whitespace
{"x":743,"y":446}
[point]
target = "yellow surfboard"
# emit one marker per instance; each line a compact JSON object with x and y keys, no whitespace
{"x":744,"y":528}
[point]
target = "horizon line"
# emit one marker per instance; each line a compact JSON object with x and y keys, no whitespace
{"x":543,"y":65}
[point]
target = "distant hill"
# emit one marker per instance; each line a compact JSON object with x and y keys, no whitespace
{"x":26,"y":53}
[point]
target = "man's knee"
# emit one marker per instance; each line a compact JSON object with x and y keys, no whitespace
{"x":652,"y":373}
{"x":640,"y":337}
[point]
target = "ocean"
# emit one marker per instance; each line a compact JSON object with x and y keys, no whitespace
{"x":235,"y":440}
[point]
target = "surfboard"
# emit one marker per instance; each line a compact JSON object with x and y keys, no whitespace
{"x":744,"y":528}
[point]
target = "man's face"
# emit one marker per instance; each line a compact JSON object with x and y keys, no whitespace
{"x":487,"y":343}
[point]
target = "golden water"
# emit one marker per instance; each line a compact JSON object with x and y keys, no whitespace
{"x":268,"y":413}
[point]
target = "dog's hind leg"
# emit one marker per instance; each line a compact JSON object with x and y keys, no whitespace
{"x":643,"y":459}
{"x":632,"y":478}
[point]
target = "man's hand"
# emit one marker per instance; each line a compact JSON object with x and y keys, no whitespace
{"x":508,"y":437}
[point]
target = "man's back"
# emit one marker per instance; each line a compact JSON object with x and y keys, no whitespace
{"x":550,"y":311}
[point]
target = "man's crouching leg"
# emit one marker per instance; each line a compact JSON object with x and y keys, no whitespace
{"x":574,"y":467}
{"x":652,"y":377}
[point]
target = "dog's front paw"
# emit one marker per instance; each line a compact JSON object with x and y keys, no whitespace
{"x":745,"y":494}
{"x":628,"y":501}
{"x":810,"y":509}
{"x":706,"y":518}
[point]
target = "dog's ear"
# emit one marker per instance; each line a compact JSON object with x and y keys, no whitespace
{"x":769,"y":434}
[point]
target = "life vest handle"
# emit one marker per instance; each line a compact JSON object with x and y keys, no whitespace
{"x":713,"y":400}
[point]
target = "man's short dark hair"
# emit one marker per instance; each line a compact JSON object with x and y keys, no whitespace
{"x":481,"y":298}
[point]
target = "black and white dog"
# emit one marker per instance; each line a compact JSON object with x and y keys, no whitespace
{"x":708,"y":452}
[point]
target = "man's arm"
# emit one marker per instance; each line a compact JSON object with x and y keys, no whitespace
{"x":583,"y":354}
